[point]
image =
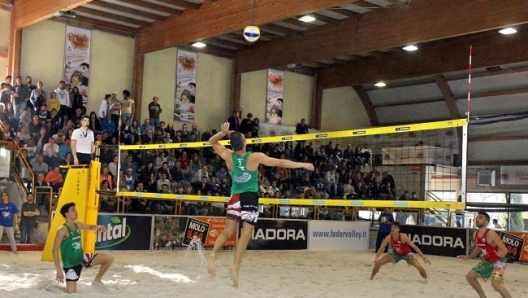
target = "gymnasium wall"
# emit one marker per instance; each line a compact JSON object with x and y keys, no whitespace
{"x":213,"y":87}
{"x":5,"y":18}
{"x":111,"y":66}
{"x":342,"y":110}
{"x":111,"y":60}
{"x":298,"y":95}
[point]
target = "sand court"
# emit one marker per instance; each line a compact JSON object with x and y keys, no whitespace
{"x":263,"y":274}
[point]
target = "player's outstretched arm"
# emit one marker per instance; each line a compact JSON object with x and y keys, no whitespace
{"x":84,"y":226}
{"x":262,"y":158}
{"x":382,"y":248}
{"x":407,"y":240}
{"x":214,"y":141}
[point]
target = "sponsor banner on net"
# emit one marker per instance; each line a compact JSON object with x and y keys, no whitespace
{"x":271,"y":234}
{"x":517,"y":245}
{"x":437,"y":241}
{"x":338,"y":235}
{"x":124,"y":232}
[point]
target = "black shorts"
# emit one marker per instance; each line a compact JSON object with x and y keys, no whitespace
{"x":74,"y":273}
{"x":84,"y":158}
{"x":244,"y":207}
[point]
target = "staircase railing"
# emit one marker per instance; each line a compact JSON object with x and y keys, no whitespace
{"x":21,"y":170}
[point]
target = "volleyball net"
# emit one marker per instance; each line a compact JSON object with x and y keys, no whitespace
{"x":418,"y":166}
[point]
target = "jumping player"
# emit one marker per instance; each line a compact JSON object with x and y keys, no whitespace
{"x":68,"y":240}
{"x":493,"y":260}
{"x":243,"y":205}
{"x":401,"y":251}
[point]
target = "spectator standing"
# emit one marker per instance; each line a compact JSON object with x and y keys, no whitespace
{"x":301,"y":128}
{"x":64,"y":98}
{"x":127,"y":107}
{"x":105,"y":107}
{"x":6,"y":90}
{"x":115,"y":108}
{"x":28,"y":219}
{"x":154,"y":112}
{"x":247,"y":124}
{"x":38,"y":97}
{"x":8,"y":220}
{"x":234,"y":124}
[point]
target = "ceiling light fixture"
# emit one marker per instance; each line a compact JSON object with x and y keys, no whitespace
{"x":380,"y":84}
{"x":306,"y":18}
{"x":507,"y":31}
{"x":66,"y":14}
{"x":410,"y":48}
{"x":199,"y":45}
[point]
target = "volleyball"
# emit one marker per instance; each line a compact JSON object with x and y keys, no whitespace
{"x":251,"y":33}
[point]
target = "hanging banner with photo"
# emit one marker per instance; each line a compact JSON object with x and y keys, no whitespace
{"x":274,"y":97}
{"x":185,"y":86}
{"x":514,"y":175}
{"x":77,"y":59}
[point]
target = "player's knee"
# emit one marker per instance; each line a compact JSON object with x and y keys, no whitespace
{"x":108,"y":259}
{"x":496,"y":284}
{"x":470,"y":276}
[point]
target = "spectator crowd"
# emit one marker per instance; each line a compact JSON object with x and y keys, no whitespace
{"x":42,"y":127}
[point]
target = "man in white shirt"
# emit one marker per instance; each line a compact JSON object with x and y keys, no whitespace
{"x":82,"y":143}
{"x":105,"y":107}
{"x":64,"y":98}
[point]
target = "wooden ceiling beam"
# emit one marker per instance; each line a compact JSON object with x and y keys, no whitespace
{"x":329,"y":20}
{"x":295,"y":22}
{"x":279,"y":29}
{"x":421,"y":22}
{"x":226,"y":42}
{"x":446,"y":56}
{"x":153,"y":6}
{"x":367,"y":103}
{"x":89,"y":23}
{"x":488,"y":73}
{"x":519,"y":162}
{"x":181,"y":3}
{"x":346,"y":12}
{"x":125,"y":9}
{"x":448,"y":95}
{"x":6,"y":4}
{"x":210,"y":20}
{"x":210,"y":49}
{"x":494,"y":93}
{"x":110,"y":16}
{"x":28,"y":12}
{"x":497,"y":138}
{"x":407,"y":103}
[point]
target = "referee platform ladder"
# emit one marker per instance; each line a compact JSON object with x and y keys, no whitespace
{"x":80,"y":187}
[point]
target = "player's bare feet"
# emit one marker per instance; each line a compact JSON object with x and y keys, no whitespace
{"x":234,"y":273}
{"x":211,"y":265}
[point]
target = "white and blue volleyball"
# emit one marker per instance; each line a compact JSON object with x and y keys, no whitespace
{"x":251,"y":33}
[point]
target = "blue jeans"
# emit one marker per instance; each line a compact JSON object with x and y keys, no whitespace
{"x":125,"y":117}
{"x":18,"y":109}
{"x":26,"y":232}
{"x":155,"y":122}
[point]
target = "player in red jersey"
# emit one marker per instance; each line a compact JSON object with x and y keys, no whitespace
{"x":493,"y":261}
{"x":401,"y":250}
